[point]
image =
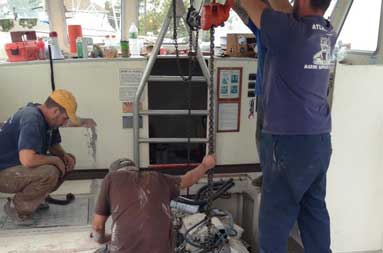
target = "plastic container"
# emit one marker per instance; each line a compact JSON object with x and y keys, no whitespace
{"x":109,"y":50}
{"x":41,"y":49}
{"x":124,"y":44}
{"x":55,"y":49}
{"x":107,"y":41}
{"x":22,"y":51}
{"x":134,"y":44}
{"x":115,"y":43}
{"x":184,"y":207}
{"x":85,"y":43}
{"x":79,"y":47}
{"x":74,"y":31}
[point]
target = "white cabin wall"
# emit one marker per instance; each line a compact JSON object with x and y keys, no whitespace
{"x":355,"y":188}
{"x":239,"y":147}
{"x":95,"y":85}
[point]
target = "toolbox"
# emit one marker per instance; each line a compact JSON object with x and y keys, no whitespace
{"x":22,"y":51}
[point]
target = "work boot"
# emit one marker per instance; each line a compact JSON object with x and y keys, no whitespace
{"x":257,"y":182}
{"x":21,"y":220}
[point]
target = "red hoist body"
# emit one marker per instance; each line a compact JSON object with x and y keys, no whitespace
{"x":215,"y":14}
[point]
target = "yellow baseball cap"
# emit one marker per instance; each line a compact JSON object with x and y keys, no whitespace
{"x":68,"y":102}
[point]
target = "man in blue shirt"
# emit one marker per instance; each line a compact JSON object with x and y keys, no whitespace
{"x":296,"y":144}
{"x":26,"y":168}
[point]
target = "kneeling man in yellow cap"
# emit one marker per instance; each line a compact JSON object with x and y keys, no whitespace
{"x":32,"y":161}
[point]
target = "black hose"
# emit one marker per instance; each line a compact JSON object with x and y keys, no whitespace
{"x":51,"y":65}
{"x":216,"y":186}
{"x":223,"y":189}
{"x":69,"y":198}
{"x":220,"y":188}
{"x":191,"y":201}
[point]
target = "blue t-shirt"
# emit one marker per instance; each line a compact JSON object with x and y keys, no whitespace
{"x":296,"y":74}
{"x":26,"y":129}
{"x":261,"y":57}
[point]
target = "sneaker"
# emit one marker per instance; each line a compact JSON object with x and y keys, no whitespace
{"x":21,"y":220}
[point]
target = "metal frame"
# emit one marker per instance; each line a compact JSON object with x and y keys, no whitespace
{"x":338,"y":18}
{"x":146,"y":76}
{"x":172,"y":140}
{"x":174,"y":79}
{"x":378,"y":54}
{"x":340,"y":13}
{"x":175,"y":112}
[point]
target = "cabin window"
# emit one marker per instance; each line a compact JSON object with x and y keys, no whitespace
{"x":22,"y":15}
{"x":99,"y":19}
{"x":361,"y":28}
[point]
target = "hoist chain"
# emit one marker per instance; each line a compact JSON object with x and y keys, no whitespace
{"x":211,"y":135}
{"x":191,"y":55}
{"x":191,"y":65}
{"x":193,"y":50}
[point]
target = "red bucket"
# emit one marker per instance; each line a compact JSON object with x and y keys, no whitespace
{"x":74,"y":31}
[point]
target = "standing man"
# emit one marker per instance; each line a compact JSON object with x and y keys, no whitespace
{"x":139,"y":205}
{"x":296,"y":144}
{"x":32,"y":161}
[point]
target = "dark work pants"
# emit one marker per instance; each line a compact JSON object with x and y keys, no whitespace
{"x":294,"y":189}
{"x":258,"y":131}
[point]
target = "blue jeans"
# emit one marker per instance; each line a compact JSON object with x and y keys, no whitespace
{"x":294,"y":189}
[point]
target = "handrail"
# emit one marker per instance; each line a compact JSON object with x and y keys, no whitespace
{"x":141,"y":86}
{"x":147,"y":71}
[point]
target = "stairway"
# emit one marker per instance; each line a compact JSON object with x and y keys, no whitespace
{"x":170,"y":125}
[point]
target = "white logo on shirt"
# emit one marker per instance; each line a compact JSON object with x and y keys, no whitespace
{"x":318,"y":27}
{"x":322,"y":59}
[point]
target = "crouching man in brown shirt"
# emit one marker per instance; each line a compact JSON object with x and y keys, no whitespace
{"x":139,"y":205}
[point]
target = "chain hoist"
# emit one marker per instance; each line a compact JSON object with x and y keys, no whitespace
{"x":211,"y":141}
{"x":193,"y":46}
{"x":213,"y":14}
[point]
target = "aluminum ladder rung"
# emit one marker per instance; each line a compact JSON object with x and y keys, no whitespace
{"x":174,"y":112}
{"x":175,"y":79}
{"x":172,"y":140}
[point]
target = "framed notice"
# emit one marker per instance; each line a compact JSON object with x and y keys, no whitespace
{"x":129,"y":81}
{"x":229,"y":99}
{"x":228,"y":117}
{"x":229,"y":83}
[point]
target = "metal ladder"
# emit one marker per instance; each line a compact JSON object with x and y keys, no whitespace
{"x":180,"y":14}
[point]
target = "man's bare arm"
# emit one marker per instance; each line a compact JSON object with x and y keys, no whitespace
{"x":281,"y":5}
{"x":68,"y":159}
{"x":83,"y":122}
{"x":57,"y":150}
{"x":30,"y":159}
{"x":98,"y":227}
{"x":191,"y":177}
{"x":254,"y":9}
{"x":277,"y":5}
